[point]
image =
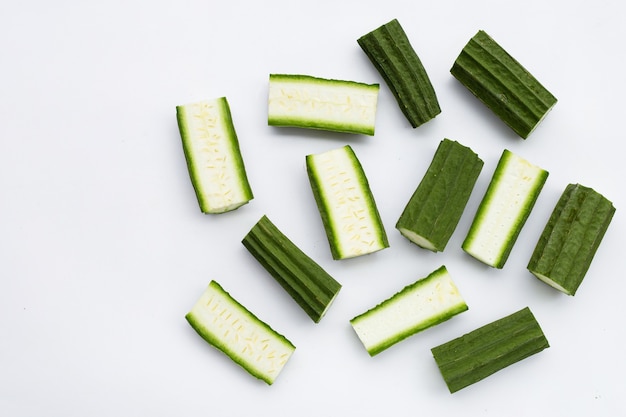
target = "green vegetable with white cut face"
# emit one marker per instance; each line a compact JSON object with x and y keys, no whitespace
{"x":504,"y":209}
{"x":213,"y":155}
{"x":317,"y":103}
{"x":230,"y":327}
{"x":418,"y":306}
{"x":346,"y":204}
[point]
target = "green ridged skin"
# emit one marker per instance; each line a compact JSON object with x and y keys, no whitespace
{"x":304,"y":101}
{"x":418,"y":306}
{"x":476,"y":355}
{"x":213,"y":155}
{"x":346,"y":204}
{"x":307,"y":282}
{"x":392,"y":54}
{"x":227,"y":325}
{"x":435,"y":208}
{"x":504,"y":209}
{"x":571,"y":238}
{"x":502,"y":84}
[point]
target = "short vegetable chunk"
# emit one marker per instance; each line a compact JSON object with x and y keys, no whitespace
{"x":392,"y":54}
{"x":227,"y":325}
{"x":435,"y":208}
{"x":488,"y":349}
{"x":213,"y":155}
{"x":502,"y":84}
{"x":423,"y":304}
{"x":319,"y":103}
{"x":346,"y":204}
{"x":309,"y":285}
{"x":504,"y":209}
{"x":571,"y":238}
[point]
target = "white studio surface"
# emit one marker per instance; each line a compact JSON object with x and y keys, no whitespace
{"x":104,"y":250}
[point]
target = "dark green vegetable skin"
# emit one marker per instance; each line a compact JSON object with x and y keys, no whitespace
{"x":571,"y":237}
{"x":307,"y":282}
{"x":391,"y":52}
{"x":437,"y":204}
{"x":488,"y":349}
{"x":502,"y":84}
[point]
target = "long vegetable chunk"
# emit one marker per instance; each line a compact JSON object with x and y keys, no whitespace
{"x":213,"y":155}
{"x":489,"y":349}
{"x":423,"y":304}
{"x":504,"y":209}
{"x":571,"y":238}
{"x":392,"y":54}
{"x":319,"y":103}
{"x":309,"y":285}
{"x":228,"y":326}
{"x":502,"y":84}
{"x":351,"y":220}
{"x":436,"y":206}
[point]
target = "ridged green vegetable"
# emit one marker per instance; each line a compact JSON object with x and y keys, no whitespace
{"x":392,"y":54}
{"x":230,"y":327}
{"x":213,"y":155}
{"x":571,"y":238}
{"x":317,"y":103}
{"x":504,"y":209}
{"x":502,"y":84}
{"x":435,"y":208}
{"x":346,"y":204}
{"x":418,"y":306}
{"x":305,"y":280}
{"x":476,"y":355}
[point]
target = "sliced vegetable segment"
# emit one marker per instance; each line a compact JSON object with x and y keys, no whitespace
{"x":351,"y":220}
{"x":392,"y":54}
{"x":435,"y":208}
{"x":213,"y":155}
{"x":502,"y":84}
{"x":489,"y":349}
{"x":504,"y":209}
{"x":230,"y":327}
{"x":423,"y":304}
{"x":318,"y":103}
{"x":571,"y":238}
{"x":307,"y":282}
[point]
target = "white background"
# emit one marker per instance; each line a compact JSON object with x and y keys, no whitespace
{"x":104,"y":250}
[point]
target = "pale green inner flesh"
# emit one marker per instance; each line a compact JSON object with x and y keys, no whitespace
{"x":501,"y":215}
{"x":417,"y":239}
{"x":316,"y":104}
{"x":408,"y":312}
{"x":356,"y":230}
{"x":550,"y":282}
{"x":215,"y":171}
{"x":239,"y":334}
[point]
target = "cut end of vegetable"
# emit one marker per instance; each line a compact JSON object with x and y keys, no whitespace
{"x":419,"y":240}
{"x":228,"y":326}
{"x":502,"y":84}
{"x":423,"y":304}
{"x":318,"y":103}
{"x":213,"y":155}
{"x":571,"y":237}
{"x":351,"y":220}
{"x":504,"y":209}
